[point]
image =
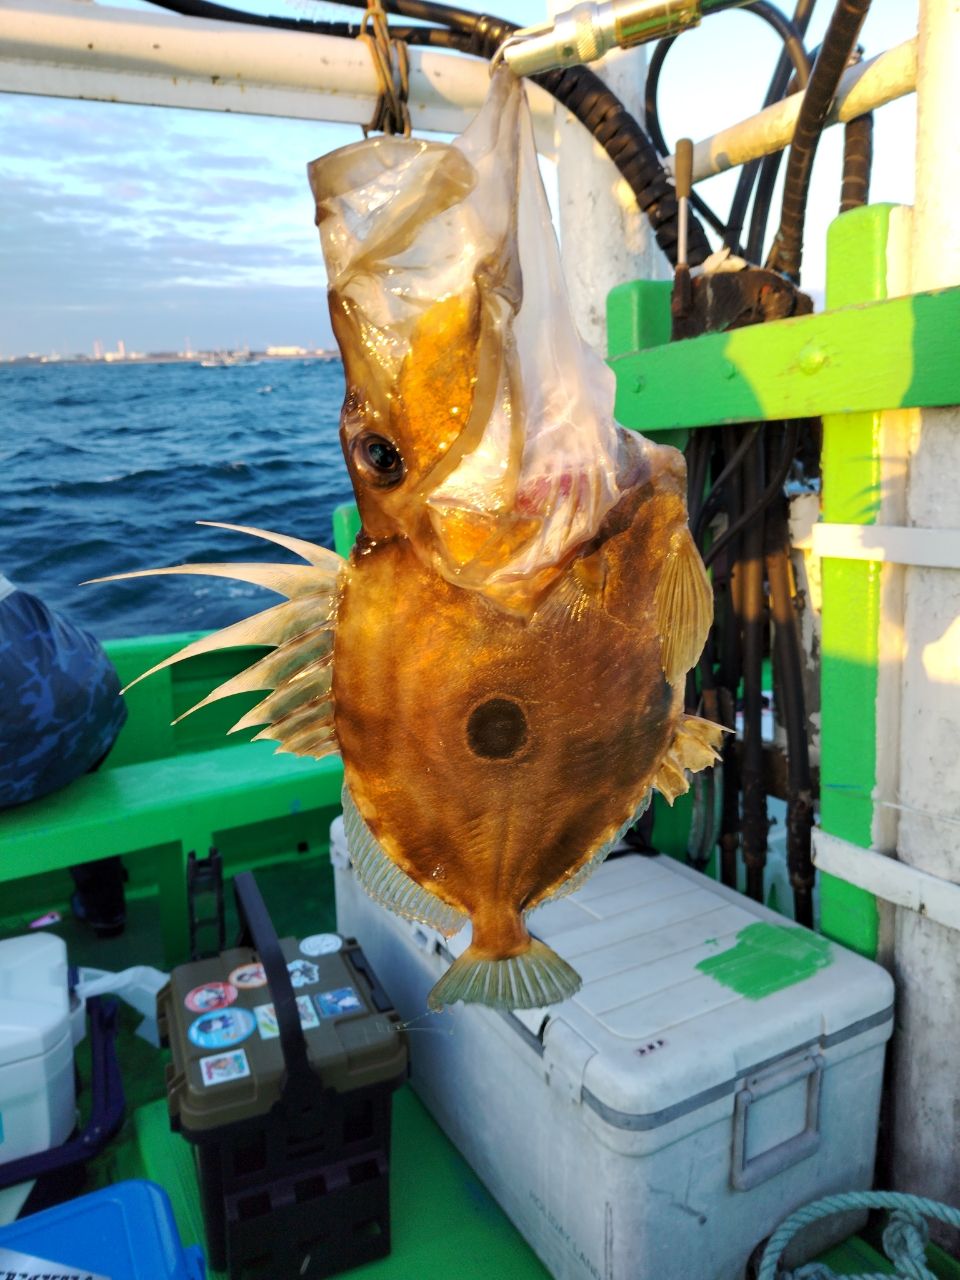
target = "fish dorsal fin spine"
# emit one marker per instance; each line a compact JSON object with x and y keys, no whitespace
{"x":297,"y":675}
{"x":531,"y":980}
{"x":387,"y":884}
{"x":684,"y":604}
{"x":695,"y":746}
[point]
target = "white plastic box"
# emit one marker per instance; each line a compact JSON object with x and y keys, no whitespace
{"x":719,"y":1068}
{"x":37,"y":1097}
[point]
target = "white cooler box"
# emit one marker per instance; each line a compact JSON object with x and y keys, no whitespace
{"x":719,"y":1068}
{"x":37,"y":1096}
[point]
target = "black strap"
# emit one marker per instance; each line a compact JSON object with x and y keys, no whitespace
{"x":257,"y":931}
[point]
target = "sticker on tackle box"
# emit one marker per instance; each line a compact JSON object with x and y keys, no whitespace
{"x":221,"y":1030}
{"x":303,"y":973}
{"x":249,"y":976}
{"x":267,"y":1023}
{"x":321,"y":944}
{"x":225,"y":1067}
{"x":210,"y":996}
{"x":334,"y":1004}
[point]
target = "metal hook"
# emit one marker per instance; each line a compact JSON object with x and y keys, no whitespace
{"x":498,"y":57}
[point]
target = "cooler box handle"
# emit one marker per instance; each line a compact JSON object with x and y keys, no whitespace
{"x":805,"y":1075}
{"x":257,"y":931}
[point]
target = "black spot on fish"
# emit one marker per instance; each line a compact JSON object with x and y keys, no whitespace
{"x":497,"y":729}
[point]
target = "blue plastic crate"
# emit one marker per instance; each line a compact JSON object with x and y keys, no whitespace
{"x":124,"y":1232}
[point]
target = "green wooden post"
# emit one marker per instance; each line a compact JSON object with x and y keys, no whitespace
{"x":638,"y":318}
{"x":856,"y":272}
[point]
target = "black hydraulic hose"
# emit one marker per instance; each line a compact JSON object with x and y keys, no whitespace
{"x":698,"y":461}
{"x":778,"y":87}
{"x":651,"y":119}
{"x":789,"y":32}
{"x":791,"y":704}
{"x":601,"y":111}
{"x":787,"y":252}
{"x":579,"y":90}
{"x":729,"y":601}
{"x":226,"y":13}
{"x":794,"y":54}
{"x":699,"y":523}
{"x":769,"y":169}
{"x":760,"y":214}
{"x":752,"y":619}
{"x":586,"y":96}
{"x":857,"y":162}
{"x":791,"y":437}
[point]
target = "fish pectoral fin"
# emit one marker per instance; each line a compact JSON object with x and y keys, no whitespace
{"x":387,"y":883}
{"x":684,"y":604}
{"x":695,"y":746}
{"x":534,"y":978}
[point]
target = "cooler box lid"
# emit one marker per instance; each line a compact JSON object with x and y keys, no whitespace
{"x":34,"y":999}
{"x":124,"y":1232}
{"x":688,"y":986}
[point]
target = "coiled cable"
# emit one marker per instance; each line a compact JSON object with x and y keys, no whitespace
{"x":848,"y":17}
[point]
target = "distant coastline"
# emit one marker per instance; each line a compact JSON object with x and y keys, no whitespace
{"x":212,"y":358}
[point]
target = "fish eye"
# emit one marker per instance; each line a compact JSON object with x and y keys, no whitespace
{"x":378,"y":459}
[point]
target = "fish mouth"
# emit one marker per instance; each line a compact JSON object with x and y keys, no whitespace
{"x":548,"y":518}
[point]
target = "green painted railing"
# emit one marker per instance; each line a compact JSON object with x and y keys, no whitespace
{"x":865,"y":354}
{"x":892,"y":354}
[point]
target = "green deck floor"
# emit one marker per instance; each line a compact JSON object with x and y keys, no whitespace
{"x":443,"y":1220}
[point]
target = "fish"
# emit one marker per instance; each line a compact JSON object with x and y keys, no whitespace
{"x":501,"y":661}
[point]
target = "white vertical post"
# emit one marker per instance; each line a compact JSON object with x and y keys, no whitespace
{"x":604,"y":238}
{"x":926,"y":1139}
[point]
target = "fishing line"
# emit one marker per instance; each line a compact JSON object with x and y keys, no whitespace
{"x":922,"y":813}
{"x":429,"y":1013}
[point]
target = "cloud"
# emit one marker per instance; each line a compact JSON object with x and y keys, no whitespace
{"x":144,"y":221}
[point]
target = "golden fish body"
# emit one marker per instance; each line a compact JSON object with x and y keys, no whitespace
{"x":501,"y":661}
{"x":491,"y":756}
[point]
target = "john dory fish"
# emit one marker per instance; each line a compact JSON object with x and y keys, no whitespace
{"x":501,"y":660}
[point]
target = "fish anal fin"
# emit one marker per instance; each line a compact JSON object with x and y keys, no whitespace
{"x":695,"y":746}
{"x":586,"y":869}
{"x":684,"y":604}
{"x":387,"y":883}
{"x":532,"y":979}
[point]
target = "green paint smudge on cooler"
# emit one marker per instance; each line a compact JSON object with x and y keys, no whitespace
{"x":767,"y":958}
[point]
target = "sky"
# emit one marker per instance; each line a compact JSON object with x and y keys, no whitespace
{"x":168,"y":228}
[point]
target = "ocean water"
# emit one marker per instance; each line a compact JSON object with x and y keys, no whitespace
{"x":106,"y":468}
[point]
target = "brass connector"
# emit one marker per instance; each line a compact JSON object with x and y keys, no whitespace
{"x":587,"y":31}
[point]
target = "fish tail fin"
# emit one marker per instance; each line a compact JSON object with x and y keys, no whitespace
{"x":530,"y":980}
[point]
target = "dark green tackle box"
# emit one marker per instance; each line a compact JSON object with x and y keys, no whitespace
{"x":284,"y":1057}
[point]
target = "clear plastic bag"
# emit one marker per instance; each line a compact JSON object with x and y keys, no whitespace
{"x":521,"y":471}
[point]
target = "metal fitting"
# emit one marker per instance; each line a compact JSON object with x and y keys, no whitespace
{"x":587,"y":31}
